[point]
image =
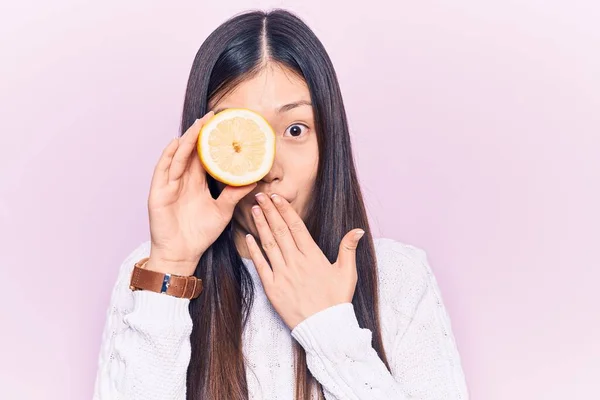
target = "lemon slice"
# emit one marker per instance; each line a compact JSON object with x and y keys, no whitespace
{"x":237,"y":147}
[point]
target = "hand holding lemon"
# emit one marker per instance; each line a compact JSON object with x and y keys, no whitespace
{"x":237,"y":147}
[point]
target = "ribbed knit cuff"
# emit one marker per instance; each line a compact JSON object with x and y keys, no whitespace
{"x":158,"y":306}
{"x":334,"y":333}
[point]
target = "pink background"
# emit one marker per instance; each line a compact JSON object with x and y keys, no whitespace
{"x":476,"y":127}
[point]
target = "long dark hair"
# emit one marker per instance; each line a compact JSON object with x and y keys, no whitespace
{"x":235,"y":51}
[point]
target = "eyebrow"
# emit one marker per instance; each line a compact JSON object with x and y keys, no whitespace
{"x":291,"y":106}
{"x":280,"y":110}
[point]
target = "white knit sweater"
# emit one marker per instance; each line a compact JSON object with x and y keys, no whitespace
{"x":146,"y":341}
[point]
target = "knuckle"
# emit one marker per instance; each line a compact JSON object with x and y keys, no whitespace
{"x":349,"y":246}
{"x":280,"y":232}
{"x":268,"y":210}
{"x":269,"y":245}
{"x":297,"y":226}
{"x":262,"y":266}
{"x":229,"y":197}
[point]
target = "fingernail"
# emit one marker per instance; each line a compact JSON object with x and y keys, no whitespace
{"x":358,"y":235}
{"x":260,"y":197}
{"x":256,"y":210}
{"x":276,"y":199}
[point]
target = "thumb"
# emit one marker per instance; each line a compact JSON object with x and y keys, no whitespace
{"x":231,"y":195}
{"x":347,"y":253}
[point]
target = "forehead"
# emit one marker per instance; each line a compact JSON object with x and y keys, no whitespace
{"x":273,"y":87}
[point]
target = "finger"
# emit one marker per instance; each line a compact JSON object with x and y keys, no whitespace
{"x":161,"y":170}
{"x":347,"y":252}
{"x":230,"y":196}
{"x":261,"y":264}
{"x":197,"y":174}
{"x":187,"y":144}
{"x":296,"y":226}
{"x":279,"y":228}
{"x":269,"y":244}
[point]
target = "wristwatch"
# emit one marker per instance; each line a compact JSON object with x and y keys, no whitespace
{"x":185,"y":287}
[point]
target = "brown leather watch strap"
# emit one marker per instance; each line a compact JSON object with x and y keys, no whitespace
{"x":188,"y":287}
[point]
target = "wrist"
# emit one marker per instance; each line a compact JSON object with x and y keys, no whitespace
{"x":174,"y":267}
{"x":173,"y":284}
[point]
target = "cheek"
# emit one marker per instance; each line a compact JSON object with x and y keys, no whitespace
{"x":302,"y":169}
{"x":306,"y":160}
{"x":314,"y":161}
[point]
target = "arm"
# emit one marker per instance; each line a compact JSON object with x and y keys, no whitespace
{"x":420,"y":346}
{"x":145,"y":347}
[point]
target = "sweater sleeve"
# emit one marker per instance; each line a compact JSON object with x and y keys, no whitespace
{"x":145,"y":348}
{"x":419,"y":345}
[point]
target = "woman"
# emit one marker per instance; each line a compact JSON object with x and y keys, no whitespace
{"x":295,"y":304}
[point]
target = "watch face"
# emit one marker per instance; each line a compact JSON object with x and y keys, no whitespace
{"x":166,"y":283}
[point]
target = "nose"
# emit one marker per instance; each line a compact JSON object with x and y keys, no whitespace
{"x":276,"y":172}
